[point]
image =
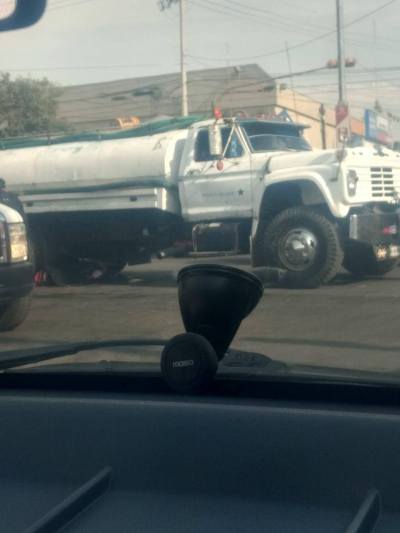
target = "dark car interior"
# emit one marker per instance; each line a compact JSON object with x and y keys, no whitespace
{"x":125,"y":455}
{"x":188,"y":448}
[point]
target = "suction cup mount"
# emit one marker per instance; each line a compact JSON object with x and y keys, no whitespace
{"x":213,"y":299}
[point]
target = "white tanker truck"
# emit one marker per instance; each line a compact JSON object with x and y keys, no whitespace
{"x":121,"y":198}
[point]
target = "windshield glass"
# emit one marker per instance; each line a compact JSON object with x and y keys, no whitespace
{"x":138,"y":137}
{"x":202,"y":148}
{"x":265,"y":137}
{"x":268,"y":142}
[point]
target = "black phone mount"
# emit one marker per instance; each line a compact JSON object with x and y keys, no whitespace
{"x":213,"y":299}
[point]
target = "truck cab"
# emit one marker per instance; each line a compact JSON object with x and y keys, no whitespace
{"x":311,"y":211}
{"x":223,"y":185}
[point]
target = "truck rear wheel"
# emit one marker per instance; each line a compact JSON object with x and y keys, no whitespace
{"x":82,"y":271}
{"x":13,"y":313}
{"x":305,"y":244}
{"x":360,"y":260}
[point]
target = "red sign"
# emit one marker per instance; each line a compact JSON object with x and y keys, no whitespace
{"x":342,"y":113}
{"x":217,"y":113}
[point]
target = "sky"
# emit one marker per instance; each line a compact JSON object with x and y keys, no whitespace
{"x":83,"y":41}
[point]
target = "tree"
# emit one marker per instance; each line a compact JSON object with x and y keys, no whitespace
{"x":27,"y":106}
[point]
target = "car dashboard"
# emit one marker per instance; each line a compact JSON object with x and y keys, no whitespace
{"x":122,"y":459}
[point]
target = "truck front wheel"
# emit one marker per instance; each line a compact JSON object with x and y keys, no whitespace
{"x":13,"y":313}
{"x":305,"y":244}
{"x":360,"y":260}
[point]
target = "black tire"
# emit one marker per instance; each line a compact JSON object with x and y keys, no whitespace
{"x":328,"y":254}
{"x":68,"y":271}
{"x":360,"y":260}
{"x":82,"y":272}
{"x":13,"y":313}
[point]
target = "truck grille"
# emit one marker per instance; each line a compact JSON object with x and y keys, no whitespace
{"x":382,"y":182}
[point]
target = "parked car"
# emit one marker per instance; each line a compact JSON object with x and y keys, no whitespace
{"x":16,"y":268}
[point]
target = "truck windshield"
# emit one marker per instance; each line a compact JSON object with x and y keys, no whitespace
{"x":268,"y":142}
{"x":265,"y":137}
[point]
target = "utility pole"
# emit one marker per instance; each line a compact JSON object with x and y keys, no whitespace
{"x":375,"y":61}
{"x":165,"y":4}
{"x":340,"y":51}
{"x":185,"y":107}
{"x":322,"y":113}
{"x":343,"y":123}
{"x":291,"y":80}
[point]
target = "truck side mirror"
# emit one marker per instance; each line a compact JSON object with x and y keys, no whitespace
{"x":215,"y":140}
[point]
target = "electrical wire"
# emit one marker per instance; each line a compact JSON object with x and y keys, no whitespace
{"x":80,"y":67}
{"x":198,"y":100}
{"x":243,"y":88}
{"x":223,"y":9}
{"x":62,"y":5}
{"x":303,"y":43}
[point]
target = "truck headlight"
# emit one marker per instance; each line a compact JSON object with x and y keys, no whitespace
{"x":18,"y":242}
{"x":352,"y":180}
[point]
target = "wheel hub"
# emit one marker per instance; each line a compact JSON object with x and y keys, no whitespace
{"x":297,"y":249}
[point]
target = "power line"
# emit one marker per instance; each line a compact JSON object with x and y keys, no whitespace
{"x":95,"y":106}
{"x":321,"y":71}
{"x":354,"y":84}
{"x":282,"y":20}
{"x":200,"y":101}
{"x":80,"y":67}
{"x":351,"y":72}
{"x":303,"y":43}
{"x":224,"y":9}
{"x":295,"y":6}
{"x":317,"y":73}
{"x":253,"y":8}
{"x":237,"y":89}
{"x":62,"y":5}
{"x":102,"y":104}
{"x":285,"y":23}
{"x":270,"y":13}
{"x":376,"y":75}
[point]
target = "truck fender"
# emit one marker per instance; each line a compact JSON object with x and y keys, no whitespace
{"x":311,"y":190}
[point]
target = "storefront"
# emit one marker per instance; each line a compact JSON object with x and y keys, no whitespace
{"x":378,"y":127}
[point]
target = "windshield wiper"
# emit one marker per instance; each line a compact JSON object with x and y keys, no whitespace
{"x":236,"y":363}
{"x":16,"y":358}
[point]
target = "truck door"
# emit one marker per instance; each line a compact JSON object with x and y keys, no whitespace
{"x":212,"y":190}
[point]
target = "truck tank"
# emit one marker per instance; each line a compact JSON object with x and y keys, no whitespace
{"x":151,"y":160}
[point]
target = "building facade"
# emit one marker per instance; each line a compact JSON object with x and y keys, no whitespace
{"x":245,"y":90}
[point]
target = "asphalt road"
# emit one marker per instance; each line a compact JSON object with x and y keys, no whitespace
{"x":348,"y":324}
